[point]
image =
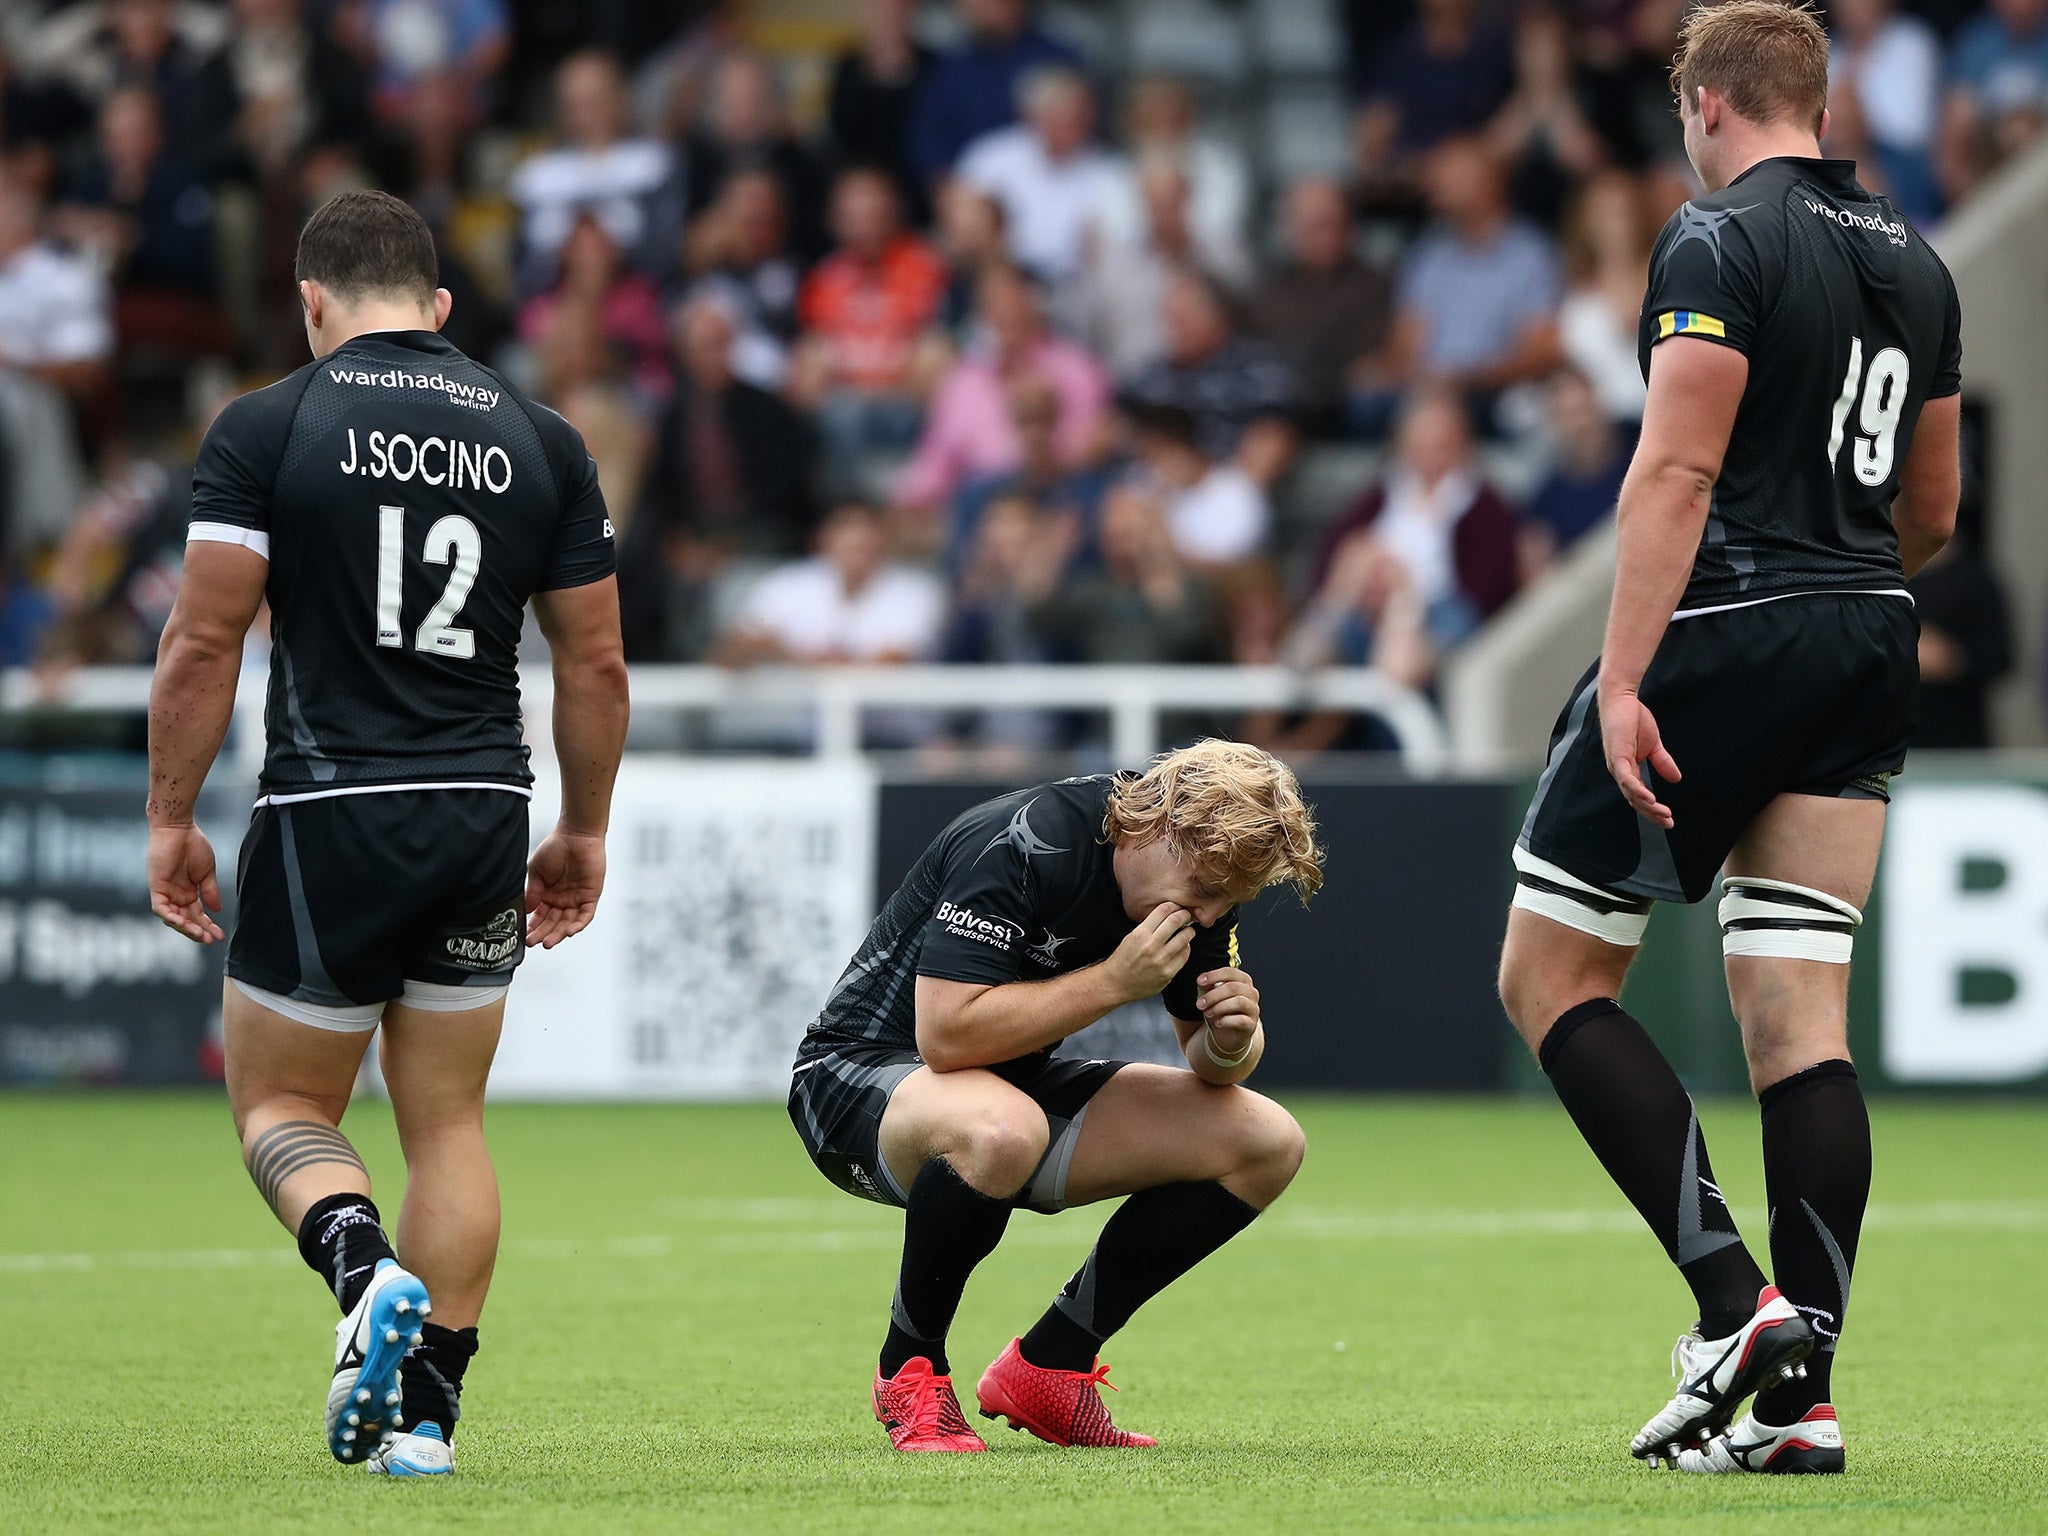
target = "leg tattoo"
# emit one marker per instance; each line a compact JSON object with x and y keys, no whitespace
{"x":294,"y":1145}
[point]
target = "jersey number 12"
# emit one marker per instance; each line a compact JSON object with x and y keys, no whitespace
{"x":452,"y":539}
{"x":1884,"y":401}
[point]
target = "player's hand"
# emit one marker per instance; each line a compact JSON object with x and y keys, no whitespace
{"x":182,"y":887}
{"x":1152,"y":953}
{"x":564,"y":878}
{"x":1628,"y":738}
{"x":1230,"y":1007}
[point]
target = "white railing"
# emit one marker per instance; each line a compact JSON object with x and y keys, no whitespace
{"x":1132,"y":697}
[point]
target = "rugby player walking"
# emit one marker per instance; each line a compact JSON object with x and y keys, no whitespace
{"x":1754,"y":696}
{"x":929,"y":1082}
{"x":399,"y":505}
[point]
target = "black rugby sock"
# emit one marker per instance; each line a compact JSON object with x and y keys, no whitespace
{"x":431,"y":1376}
{"x":1154,"y":1238}
{"x":948,"y":1228}
{"x":1640,"y":1123}
{"x":1817,"y":1171}
{"x":341,"y":1240}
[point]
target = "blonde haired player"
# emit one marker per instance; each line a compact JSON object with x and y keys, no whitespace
{"x":929,"y":1080}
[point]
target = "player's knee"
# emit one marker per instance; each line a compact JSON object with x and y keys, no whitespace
{"x":1272,"y":1147}
{"x":998,"y":1151}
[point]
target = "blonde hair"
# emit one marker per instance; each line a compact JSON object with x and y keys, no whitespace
{"x":1232,"y":810}
{"x":1769,"y":58}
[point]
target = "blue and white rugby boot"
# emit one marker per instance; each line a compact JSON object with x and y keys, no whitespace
{"x":418,"y":1452}
{"x":363,"y":1401}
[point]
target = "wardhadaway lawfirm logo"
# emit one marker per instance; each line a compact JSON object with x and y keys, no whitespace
{"x":459,"y":392}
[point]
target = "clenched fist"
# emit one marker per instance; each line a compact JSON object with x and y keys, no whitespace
{"x":1152,"y":953}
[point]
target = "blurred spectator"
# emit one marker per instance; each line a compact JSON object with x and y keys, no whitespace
{"x":1018,"y":554}
{"x":616,"y":432}
{"x":1324,"y":311}
{"x":738,"y":251}
{"x":866,"y":311}
{"x":1588,"y":460}
{"x":969,"y":432}
{"x":846,"y":603}
{"x":160,"y":46}
{"x":263,"y":99}
{"x":1160,"y":125}
{"x":747,"y":128}
{"x":1965,"y":645}
{"x":1119,"y":300}
{"x":671,"y":87}
{"x":1216,"y":514}
{"x":971,"y":89}
{"x":1476,"y":303}
{"x":1607,"y":241}
{"x":434,"y":64}
{"x":971,"y":234}
{"x":1884,"y":70}
{"x":597,"y":171}
{"x":38,"y":117}
{"x":1444,"y":76}
{"x":1142,"y":605}
{"x":56,"y":314}
{"x":1238,"y":393}
{"x":1053,"y":181}
{"x":623,"y":307}
{"x":1069,"y":495}
{"x":1542,"y":133}
{"x":874,"y":86}
{"x":731,"y":480}
{"x":1998,"y":93}
{"x":1420,"y":560}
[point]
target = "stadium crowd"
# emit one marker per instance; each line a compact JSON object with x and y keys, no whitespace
{"x":989,"y":337}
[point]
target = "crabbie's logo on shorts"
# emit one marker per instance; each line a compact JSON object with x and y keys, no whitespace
{"x":490,"y":946}
{"x":964,"y":923}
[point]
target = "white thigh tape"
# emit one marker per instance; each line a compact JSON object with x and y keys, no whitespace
{"x":1541,"y":887}
{"x":1781,"y":921}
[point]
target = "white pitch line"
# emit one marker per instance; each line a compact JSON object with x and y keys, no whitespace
{"x":774,"y":1233}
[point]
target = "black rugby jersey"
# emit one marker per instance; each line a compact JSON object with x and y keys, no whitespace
{"x":1850,"y":323}
{"x":1019,"y":888}
{"x":409,"y":503}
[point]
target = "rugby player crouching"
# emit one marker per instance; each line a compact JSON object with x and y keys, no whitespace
{"x":929,"y":1080}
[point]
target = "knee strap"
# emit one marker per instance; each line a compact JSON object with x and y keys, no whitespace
{"x":1541,"y":887}
{"x":1779,"y":920}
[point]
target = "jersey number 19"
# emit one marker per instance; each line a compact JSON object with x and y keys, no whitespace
{"x":1884,"y":401}
{"x":452,"y":539}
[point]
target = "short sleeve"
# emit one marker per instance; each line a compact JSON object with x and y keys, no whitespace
{"x":1948,"y":365}
{"x":233,"y":476}
{"x":1215,"y":947}
{"x":977,"y":928}
{"x":583,"y":550}
{"x":1705,"y":279}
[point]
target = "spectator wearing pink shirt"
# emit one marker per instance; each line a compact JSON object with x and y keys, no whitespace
{"x":624,"y":306}
{"x":969,"y":432}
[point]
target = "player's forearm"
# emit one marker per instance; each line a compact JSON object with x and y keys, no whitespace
{"x":1662,"y":512}
{"x":1003,"y":1023}
{"x":191,"y":701}
{"x":591,"y":710}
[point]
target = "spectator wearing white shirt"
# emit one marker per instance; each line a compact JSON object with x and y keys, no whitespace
{"x":1053,"y":181}
{"x":1160,"y":124}
{"x":56,"y":312}
{"x":596,"y":170}
{"x":847,"y":603}
{"x":1217,"y":514}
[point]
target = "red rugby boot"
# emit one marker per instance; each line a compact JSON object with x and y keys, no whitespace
{"x":920,"y":1411}
{"x":1063,"y":1407}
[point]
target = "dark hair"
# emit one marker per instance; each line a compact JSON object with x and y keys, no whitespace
{"x":368,"y":242}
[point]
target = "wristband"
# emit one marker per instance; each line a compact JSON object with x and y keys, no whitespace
{"x":1226,"y":1062}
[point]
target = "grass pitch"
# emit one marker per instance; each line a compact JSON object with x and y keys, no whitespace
{"x":1451,"y":1321}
